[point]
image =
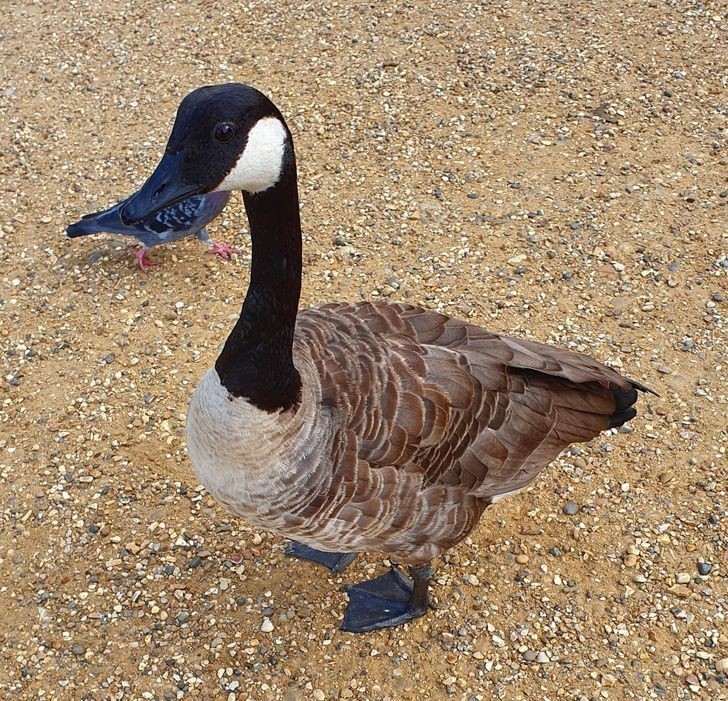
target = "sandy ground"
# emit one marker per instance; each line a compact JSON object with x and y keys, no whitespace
{"x":555,"y":173}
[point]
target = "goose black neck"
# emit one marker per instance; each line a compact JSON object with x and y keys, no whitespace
{"x":257,"y":359}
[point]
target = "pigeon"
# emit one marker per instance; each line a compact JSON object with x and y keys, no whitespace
{"x":186,"y":218}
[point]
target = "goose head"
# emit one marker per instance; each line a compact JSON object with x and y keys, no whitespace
{"x":225,"y":137}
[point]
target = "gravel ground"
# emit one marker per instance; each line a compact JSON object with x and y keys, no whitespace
{"x":556,"y":172}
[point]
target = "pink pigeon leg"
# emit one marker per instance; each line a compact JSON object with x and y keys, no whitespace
{"x":223,"y":250}
{"x":144,"y":261}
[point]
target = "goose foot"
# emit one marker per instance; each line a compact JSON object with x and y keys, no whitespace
{"x":336,"y":562}
{"x":387,"y":601}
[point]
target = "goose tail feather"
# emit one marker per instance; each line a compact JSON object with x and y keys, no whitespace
{"x":624,"y":399}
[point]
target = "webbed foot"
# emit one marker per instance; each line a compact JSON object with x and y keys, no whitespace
{"x":336,"y":562}
{"x":387,"y":601}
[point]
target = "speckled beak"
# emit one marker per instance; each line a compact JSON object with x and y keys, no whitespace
{"x":163,"y":189}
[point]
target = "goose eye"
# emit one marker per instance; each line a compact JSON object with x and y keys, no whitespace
{"x":224,"y":132}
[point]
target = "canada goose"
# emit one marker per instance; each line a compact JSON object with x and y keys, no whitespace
{"x":361,"y":426}
{"x":186,"y":218}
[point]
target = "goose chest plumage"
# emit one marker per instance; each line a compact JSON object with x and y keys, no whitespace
{"x":363,"y":426}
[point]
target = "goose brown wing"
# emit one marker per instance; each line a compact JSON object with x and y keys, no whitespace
{"x":454,"y":403}
{"x":541,"y":399}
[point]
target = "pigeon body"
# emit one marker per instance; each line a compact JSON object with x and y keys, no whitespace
{"x":186,"y":218}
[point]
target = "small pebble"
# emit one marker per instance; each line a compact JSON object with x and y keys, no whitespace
{"x":182,"y":618}
{"x":570,"y":508}
{"x":680,"y":590}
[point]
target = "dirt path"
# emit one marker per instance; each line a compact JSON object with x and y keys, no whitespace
{"x":555,"y":173}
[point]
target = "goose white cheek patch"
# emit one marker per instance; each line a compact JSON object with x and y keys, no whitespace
{"x":259,"y":166}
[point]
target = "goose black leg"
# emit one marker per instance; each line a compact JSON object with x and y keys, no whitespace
{"x":388,"y":601}
{"x":336,"y":562}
